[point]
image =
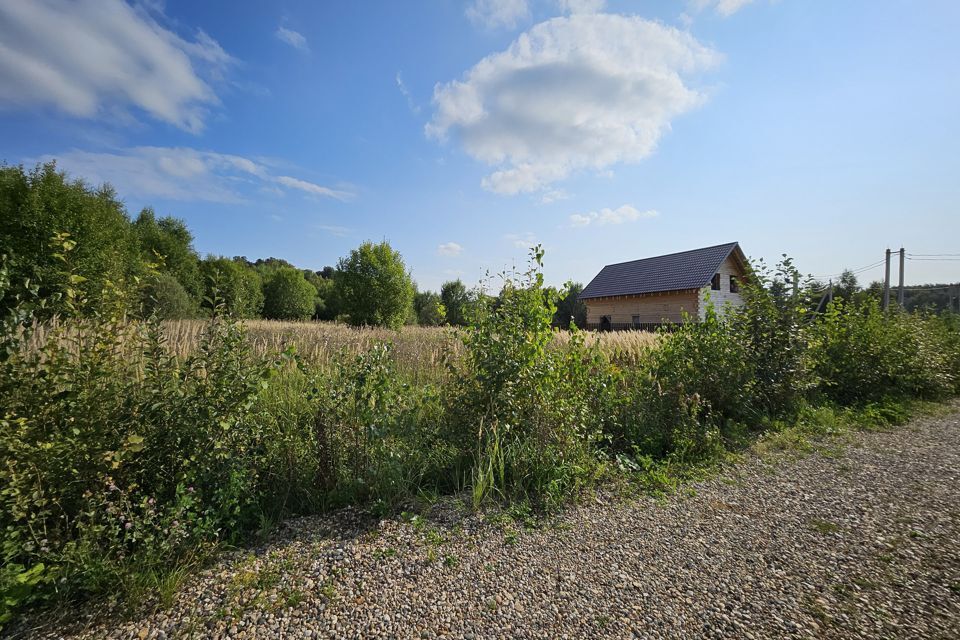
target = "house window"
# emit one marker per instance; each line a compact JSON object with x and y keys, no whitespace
{"x":636,"y":322}
{"x":715,"y":283}
{"x":734,"y":285}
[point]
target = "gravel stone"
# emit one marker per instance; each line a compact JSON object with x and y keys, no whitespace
{"x":858,"y":541}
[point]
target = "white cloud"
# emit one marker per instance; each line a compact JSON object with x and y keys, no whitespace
{"x":725,"y":8}
{"x":449,"y":249}
{"x":494,"y":14}
{"x":625,"y":213}
{"x":582,"y":6}
{"x":181,"y":173}
{"x":292,"y":38}
{"x":521,"y":240}
{"x":333,"y":230}
{"x":553,"y":195}
{"x":88,"y":58}
{"x":572,"y":93}
{"x":315,"y":189}
{"x":414,"y":107}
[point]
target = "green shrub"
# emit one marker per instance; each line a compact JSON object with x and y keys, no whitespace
{"x":696,"y":385}
{"x":167,"y":298}
{"x":527,"y":403}
{"x":772,"y":327}
{"x":862,"y":354}
{"x":288,"y":296}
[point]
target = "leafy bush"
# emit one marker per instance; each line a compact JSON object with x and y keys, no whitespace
{"x":288,"y":296}
{"x":527,"y":404}
{"x":233,"y":285}
{"x":771,"y":325}
{"x":862,"y":354}
{"x":35,"y":205}
{"x":168,"y":300}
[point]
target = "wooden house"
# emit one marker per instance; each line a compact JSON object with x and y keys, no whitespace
{"x":644,"y":294}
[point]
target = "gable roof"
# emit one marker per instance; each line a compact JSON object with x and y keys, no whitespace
{"x":673,"y":272}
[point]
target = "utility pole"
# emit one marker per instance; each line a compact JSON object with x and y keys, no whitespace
{"x":886,"y":283}
{"x":830,"y":292}
{"x":900,"y":289}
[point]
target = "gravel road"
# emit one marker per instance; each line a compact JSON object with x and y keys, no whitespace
{"x":857,"y":542}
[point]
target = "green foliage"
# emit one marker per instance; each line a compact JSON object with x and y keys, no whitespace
{"x":169,"y":243}
{"x":456,"y":302}
{"x":288,"y":295}
{"x":693,"y":391}
{"x":120,"y":460}
{"x":862,"y":354}
{"x":528,"y":404}
{"x":771,"y":326}
{"x":234,"y":285}
{"x":35,"y":206}
{"x":327,"y":304}
{"x":429,"y":309}
{"x":373,"y":286}
{"x":167,"y":298}
{"x":570,"y":309}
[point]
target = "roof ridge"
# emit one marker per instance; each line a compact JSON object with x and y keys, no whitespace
{"x":667,"y":255}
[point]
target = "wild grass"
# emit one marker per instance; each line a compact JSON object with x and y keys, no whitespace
{"x":421,"y":353}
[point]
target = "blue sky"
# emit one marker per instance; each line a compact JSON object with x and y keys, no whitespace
{"x":464,"y":132}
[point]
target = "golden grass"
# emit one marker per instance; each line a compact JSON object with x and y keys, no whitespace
{"x":318,"y":341}
{"x":425,"y":353}
{"x":421,"y":351}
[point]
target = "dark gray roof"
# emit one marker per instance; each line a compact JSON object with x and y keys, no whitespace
{"x":673,"y":272}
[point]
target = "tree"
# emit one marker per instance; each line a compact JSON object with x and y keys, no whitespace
{"x":456,"y":301}
{"x":326,"y":305}
{"x":429,"y":309}
{"x":232,"y":284}
{"x":288,"y":296}
{"x":570,"y":308}
{"x":37,"y":205}
{"x":166,"y":297}
{"x":373,"y":286}
{"x":847,"y":286}
{"x":169,"y":241}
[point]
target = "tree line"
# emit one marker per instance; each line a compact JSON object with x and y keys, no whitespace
{"x":152,"y":257}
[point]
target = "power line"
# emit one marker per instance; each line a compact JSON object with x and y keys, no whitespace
{"x":853,"y":271}
{"x":935,"y":255}
{"x":935,"y":259}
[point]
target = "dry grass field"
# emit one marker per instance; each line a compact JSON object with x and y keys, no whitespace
{"x":421,"y":351}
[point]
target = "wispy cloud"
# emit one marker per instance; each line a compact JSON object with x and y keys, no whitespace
{"x":494,"y":14}
{"x":625,"y":213}
{"x":581,"y":6}
{"x":414,"y":107}
{"x":724,"y":8}
{"x":521,"y":240}
{"x":314,"y":189}
{"x":293,"y":38}
{"x":449,"y":249}
{"x":333,"y":230}
{"x":583,"y":92}
{"x":553,"y":195}
{"x":182,"y":173}
{"x":90,"y":59}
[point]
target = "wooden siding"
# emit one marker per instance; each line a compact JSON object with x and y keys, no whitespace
{"x":719,"y":299}
{"x":652,"y":308}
